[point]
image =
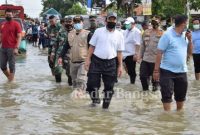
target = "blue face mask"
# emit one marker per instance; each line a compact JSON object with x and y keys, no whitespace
{"x":78,"y":26}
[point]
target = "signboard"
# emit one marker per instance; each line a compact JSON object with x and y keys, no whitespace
{"x":147,"y":7}
{"x":16,"y":13}
{"x":2,"y":13}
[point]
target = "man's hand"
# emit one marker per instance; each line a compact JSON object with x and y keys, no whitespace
{"x":60,"y":60}
{"x":16,"y":51}
{"x":87,"y":64}
{"x":189,"y":36}
{"x":135,"y":58}
{"x":51,"y":35}
{"x":51,"y":57}
{"x":119,"y":70}
{"x":156,"y":76}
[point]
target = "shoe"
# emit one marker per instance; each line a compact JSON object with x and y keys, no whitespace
{"x":106,"y":104}
{"x":58,"y":78}
{"x":155,"y":88}
{"x":69,"y":80}
{"x":95,"y":104}
{"x":132,"y":80}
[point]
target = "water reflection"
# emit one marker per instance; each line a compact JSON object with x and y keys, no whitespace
{"x":35,"y":104}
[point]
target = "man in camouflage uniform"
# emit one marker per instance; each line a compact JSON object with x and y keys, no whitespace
{"x":93,"y":26}
{"x":65,"y":54}
{"x":57,"y":37}
{"x":148,"y":53}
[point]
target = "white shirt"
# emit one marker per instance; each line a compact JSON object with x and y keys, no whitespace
{"x":107,"y":43}
{"x":132,"y":38}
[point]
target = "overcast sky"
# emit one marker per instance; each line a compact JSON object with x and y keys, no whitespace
{"x":32,"y":7}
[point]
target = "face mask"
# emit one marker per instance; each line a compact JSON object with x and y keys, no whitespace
{"x":78,"y":26}
{"x":68,"y":26}
{"x":111,"y":25}
{"x":8,"y":18}
{"x":196,"y":26}
{"x":155,"y":26}
{"x":93,"y":25}
{"x":128,"y":26}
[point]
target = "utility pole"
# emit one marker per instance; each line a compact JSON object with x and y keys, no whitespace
{"x":188,"y":11}
{"x":6,"y":1}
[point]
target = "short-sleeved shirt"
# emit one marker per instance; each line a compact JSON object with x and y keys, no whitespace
{"x":196,"y":42}
{"x":174,"y":47}
{"x":132,"y":38}
{"x":9,"y":31}
{"x":34,"y":29}
{"x":148,"y":48}
{"x":107,"y":43}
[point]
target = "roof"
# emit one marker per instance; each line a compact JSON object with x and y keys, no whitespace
{"x":51,"y":11}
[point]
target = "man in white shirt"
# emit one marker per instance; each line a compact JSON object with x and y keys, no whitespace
{"x":132,"y":38}
{"x":106,"y":44}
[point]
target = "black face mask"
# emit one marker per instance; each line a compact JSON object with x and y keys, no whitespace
{"x":111,"y":25}
{"x":93,"y":25}
{"x":68,"y":26}
{"x":53,"y":26}
{"x":8,"y":18}
{"x":155,"y":26}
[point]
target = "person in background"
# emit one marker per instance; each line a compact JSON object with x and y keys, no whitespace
{"x":106,"y":44}
{"x":132,"y":37}
{"x":10,"y":38}
{"x":93,"y":26}
{"x":62,"y":22}
{"x":42,"y":36}
{"x":148,"y":53}
{"x":145,"y":26}
{"x":196,"y":47}
{"x":119,"y":27}
{"x":35,"y":33}
{"x":171,"y":67}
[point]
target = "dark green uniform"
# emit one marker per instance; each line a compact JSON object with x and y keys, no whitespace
{"x":57,"y":36}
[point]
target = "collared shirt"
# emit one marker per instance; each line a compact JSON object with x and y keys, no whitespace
{"x":174,"y":47}
{"x":132,"y":38}
{"x":148,"y":49}
{"x":107,"y":43}
{"x":196,"y":41}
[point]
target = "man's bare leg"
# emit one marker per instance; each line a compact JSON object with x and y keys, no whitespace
{"x":11,"y":77}
{"x":179,"y":105}
{"x":197,"y":76}
{"x":7,"y":73}
{"x":167,"y":106}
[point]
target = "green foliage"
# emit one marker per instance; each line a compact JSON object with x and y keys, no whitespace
{"x":76,"y":10}
{"x":169,"y":8}
{"x":62,"y":6}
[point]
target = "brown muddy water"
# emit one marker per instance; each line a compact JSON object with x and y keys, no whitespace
{"x":35,"y":105}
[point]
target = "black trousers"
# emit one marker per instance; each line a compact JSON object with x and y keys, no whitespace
{"x":196,"y":59}
{"x":173,"y":83}
{"x":146,"y":71}
{"x":105,"y":69}
{"x":130,"y":65}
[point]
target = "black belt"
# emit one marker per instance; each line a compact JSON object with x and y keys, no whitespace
{"x":78,"y":62}
{"x":104,"y":60}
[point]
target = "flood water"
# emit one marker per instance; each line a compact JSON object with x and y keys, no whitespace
{"x":35,"y":105}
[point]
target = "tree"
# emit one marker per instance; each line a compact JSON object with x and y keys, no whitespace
{"x":76,"y":9}
{"x":62,"y":6}
{"x":168,"y":8}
